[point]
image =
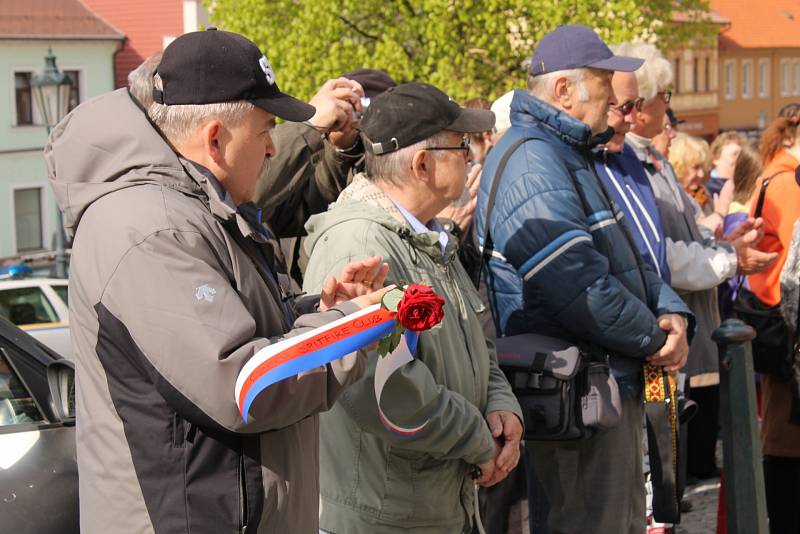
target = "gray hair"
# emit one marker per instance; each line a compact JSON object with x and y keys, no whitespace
{"x":393,"y":167}
{"x":655,"y":74}
{"x":140,"y":80}
{"x":542,"y":86}
{"x":178,"y":121}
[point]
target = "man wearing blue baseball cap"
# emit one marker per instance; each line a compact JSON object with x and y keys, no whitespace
{"x":560,"y":264}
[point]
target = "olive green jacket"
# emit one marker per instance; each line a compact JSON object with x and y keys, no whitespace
{"x":371,"y":480}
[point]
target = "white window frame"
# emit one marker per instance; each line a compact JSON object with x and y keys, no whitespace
{"x":37,"y":120}
{"x":42,"y":213}
{"x":730,"y":85}
{"x":763,"y":78}
{"x":81,"y":80}
{"x":795,"y":77}
{"x":747,"y":78}
{"x":786,"y":72}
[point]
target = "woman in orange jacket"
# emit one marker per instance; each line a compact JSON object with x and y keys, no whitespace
{"x":780,"y":438}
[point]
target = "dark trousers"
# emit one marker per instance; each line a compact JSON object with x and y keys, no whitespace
{"x":596,"y":485}
{"x":782,"y":481}
{"x":703,"y":429}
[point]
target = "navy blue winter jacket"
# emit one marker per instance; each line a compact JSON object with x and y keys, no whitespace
{"x":559,"y":267}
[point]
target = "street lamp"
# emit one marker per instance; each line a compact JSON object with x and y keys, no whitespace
{"x":52,"y":89}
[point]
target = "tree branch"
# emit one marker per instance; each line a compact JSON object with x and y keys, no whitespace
{"x":356,"y":29}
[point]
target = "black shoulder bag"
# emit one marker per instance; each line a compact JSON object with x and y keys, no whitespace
{"x":564,"y":393}
{"x":772,"y":344}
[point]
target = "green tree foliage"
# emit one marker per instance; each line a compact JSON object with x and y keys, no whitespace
{"x":469,"y":48}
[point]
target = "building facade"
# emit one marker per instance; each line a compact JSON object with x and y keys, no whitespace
{"x":149,"y":26}
{"x":759,"y":62}
{"x":84,"y":46}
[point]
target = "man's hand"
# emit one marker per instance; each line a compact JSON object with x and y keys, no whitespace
{"x":336,"y":103}
{"x":462,"y":215}
{"x":750,"y":260}
{"x":507,"y":425}
{"x":488,"y":469}
{"x":360,"y":282}
{"x":673,"y":354}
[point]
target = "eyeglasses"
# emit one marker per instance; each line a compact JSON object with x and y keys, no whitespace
{"x":463,"y":146}
{"x":666,"y":96}
{"x":627,"y":107}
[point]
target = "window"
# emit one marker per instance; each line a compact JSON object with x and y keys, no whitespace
{"x":695,"y":71}
{"x":75,"y":92}
{"x":747,"y":78}
{"x":26,"y":305}
{"x":23,"y":97}
{"x":28,"y":218}
{"x":17,"y":406}
{"x":763,"y":78}
{"x":62,"y":290}
{"x":784,"y":78}
{"x":677,"y":88}
{"x":730,"y":82}
{"x":707,"y":72}
{"x":796,"y":78}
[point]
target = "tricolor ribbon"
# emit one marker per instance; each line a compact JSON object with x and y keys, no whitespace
{"x":322,"y":345}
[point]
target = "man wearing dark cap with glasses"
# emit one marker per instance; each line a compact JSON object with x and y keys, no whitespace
{"x":373,"y":478}
{"x":173,"y":290}
{"x":563,"y":266}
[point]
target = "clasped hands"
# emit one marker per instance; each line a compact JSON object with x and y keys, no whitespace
{"x":506,"y":425}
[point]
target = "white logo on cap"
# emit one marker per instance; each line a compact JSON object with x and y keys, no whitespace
{"x":267,"y":68}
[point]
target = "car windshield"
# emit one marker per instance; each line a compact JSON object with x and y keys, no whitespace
{"x":26,"y":305}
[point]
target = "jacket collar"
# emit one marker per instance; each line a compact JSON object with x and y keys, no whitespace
{"x":364,"y":190}
{"x":528,"y":111}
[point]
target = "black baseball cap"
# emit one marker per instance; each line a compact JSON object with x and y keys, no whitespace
{"x":373,"y":81}
{"x":412,"y":112}
{"x":214,"y":66}
{"x":575,"y":46}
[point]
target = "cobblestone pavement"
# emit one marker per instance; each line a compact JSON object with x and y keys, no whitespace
{"x":703,"y":517}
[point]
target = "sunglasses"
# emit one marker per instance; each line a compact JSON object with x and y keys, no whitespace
{"x":627,"y":107}
{"x":463,"y":146}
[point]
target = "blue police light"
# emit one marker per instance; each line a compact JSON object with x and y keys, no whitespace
{"x":15,"y":271}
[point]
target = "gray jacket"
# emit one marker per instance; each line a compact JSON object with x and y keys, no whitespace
{"x":171,"y":292}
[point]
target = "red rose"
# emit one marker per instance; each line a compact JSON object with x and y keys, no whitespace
{"x":420,"y":309}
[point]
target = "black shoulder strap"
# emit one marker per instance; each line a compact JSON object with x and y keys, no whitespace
{"x":488,"y":243}
{"x":762,"y":193}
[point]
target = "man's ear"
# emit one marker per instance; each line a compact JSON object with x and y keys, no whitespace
{"x":562,"y":93}
{"x":420,"y":165}
{"x":213,"y":142}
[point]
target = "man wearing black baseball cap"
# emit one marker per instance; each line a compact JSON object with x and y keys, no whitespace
{"x":174,"y":289}
{"x":562,"y":266}
{"x":417,"y":147}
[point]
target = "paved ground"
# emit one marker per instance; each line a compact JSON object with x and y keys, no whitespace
{"x":703,"y":517}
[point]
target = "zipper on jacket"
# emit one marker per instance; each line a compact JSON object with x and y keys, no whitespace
{"x":462,"y":307}
{"x":634,"y":217}
{"x":242,"y":496}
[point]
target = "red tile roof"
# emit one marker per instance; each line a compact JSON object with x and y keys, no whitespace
{"x":52,"y":18}
{"x":761,"y":24}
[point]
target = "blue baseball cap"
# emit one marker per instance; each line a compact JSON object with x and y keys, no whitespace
{"x":575,"y":46}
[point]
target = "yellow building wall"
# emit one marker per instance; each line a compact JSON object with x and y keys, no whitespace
{"x":747,"y":102}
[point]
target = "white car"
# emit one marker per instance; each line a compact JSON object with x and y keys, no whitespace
{"x":39,"y":307}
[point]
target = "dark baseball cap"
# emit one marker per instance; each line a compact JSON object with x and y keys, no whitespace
{"x":412,"y":112}
{"x":214,"y":66}
{"x":373,"y":81}
{"x":575,"y":46}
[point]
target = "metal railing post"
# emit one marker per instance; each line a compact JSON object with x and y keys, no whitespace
{"x":745,"y":498}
